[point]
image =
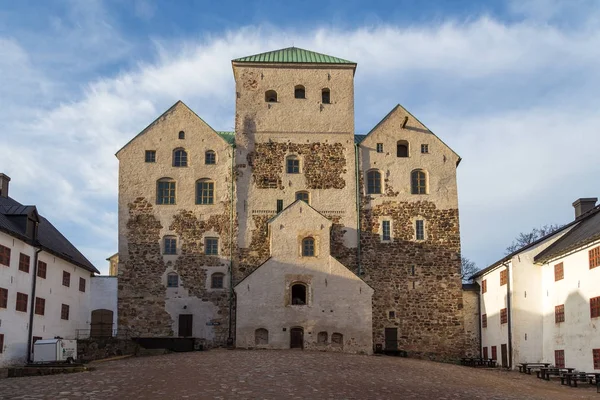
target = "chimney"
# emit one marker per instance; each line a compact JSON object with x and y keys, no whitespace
{"x":4,"y":179}
{"x":584,"y":205}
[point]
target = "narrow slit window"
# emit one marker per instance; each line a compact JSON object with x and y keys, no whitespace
{"x":325,"y":96}
{"x":386,"y":231}
{"x":279,"y":205}
{"x":380,"y":147}
{"x":420,"y":229}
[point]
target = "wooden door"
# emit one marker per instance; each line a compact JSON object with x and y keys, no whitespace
{"x":504,"y":351}
{"x":185,"y":324}
{"x":102,"y":323}
{"x":391,"y":338}
{"x":297,"y":338}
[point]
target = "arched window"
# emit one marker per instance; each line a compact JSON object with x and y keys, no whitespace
{"x":299,"y":92}
{"x":181,"y":135}
{"x":210,"y":157}
{"x":304,"y":196}
{"x":165,"y":191}
{"x":216,"y":280}
{"x":308,"y":247}
{"x":418,"y":182}
{"x":169,"y":245}
{"x":261,"y":336}
{"x":205,"y":191}
{"x":337,"y":339}
{"x":292,"y":165}
{"x":322,"y":338}
{"x":402,"y":148}
{"x":374,"y":182}
{"x":325,"y":96}
{"x":299,"y":294}
{"x":172,"y":280}
{"x":179,"y":158}
{"x":271,"y":96}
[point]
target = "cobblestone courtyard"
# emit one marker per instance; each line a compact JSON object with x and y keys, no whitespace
{"x":223,"y":374}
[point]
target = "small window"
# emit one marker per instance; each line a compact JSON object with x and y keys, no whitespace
{"x":325,"y":96}
{"x":559,"y":358}
{"x":503,"y":316}
{"x":299,"y":92}
{"x":24,"y":262}
{"x":373,"y":182}
{"x":308,"y":247}
{"x":21,"y":302}
{"x":150,"y":156}
{"x":420,"y":229}
{"x":216,"y":280}
{"x":4,"y":255}
{"x":559,"y":272}
{"x":3,"y":298}
{"x":181,"y":135}
{"x":165,"y":191}
{"x":503,"y":277}
{"x":391,"y":314}
{"x":380,"y":147}
{"x":484,"y":286}
{"x":559,"y":313}
{"x":337,"y":339}
{"x":64,"y":312}
{"x":402,"y":149}
{"x":595,"y":307}
{"x":279,"y":205}
{"x":210,"y":157}
{"x":293,"y":165}
{"x":40,"y":306}
{"x":180,"y":158}
{"x":424,"y":149}
{"x":211,"y":246}
{"x":66,"y":281}
{"x":172,"y":280}
{"x":41,"y":271}
{"x":304,"y":196}
{"x":299,"y":294}
{"x":595,"y":355}
{"x":170,"y":245}
{"x":205,"y":192}
{"x":82,"y":284}
{"x":594,"y":257}
{"x":386,"y":231}
{"x":484,"y":320}
{"x":322,"y":338}
{"x":271,"y":96}
{"x":261,"y":337}
{"x":418,"y":182}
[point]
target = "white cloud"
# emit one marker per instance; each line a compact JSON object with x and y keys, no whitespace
{"x":515,"y":100}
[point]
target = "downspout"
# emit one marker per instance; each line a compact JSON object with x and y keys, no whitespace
{"x":230,"y":336}
{"x":356,"y":172}
{"x":32,"y":308}
{"x":509,"y":316}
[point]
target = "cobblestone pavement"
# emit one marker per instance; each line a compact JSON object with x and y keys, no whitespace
{"x":261,"y":374}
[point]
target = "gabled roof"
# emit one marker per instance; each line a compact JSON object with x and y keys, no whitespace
{"x":587,"y":231}
{"x":293,"y":55}
{"x":49,"y":238}
{"x":302,"y":202}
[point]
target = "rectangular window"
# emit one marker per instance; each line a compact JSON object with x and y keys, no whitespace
{"x":165,"y":192}
{"x":380,"y":147}
{"x":150,"y":156}
{"x":424,"y":148}
{"x":503,"y":316}
{"x":66,"y":279}
{"x":420,"y":229}
{"x":64,"y":312}
{"x":293,"y":166}
{"x":385,"y":230}
{"x":211,"y":246}
{"x":596,"y":356}
{"x":216,"y":281}
{"x":595,"y":307}
{"x":1,"y":343}
{"x":82,"y":284}
{"x":304,"y":196}
{"x":3,"y":298}
{"x":485,"y":353}
{"x":494,"y":353}
{"x":559,"y":272}
{"x":172,"y":280}
{"x":484,"y":320}
{"x":21,"y":302}
{"x":279,"y":205}
{"x":503,"y":277}
{"x":210,"y":158}
{"x":170,"y":245}
{"x":24,"y":262}
{"x":595,"y":257}
{"x":559,"y":358}
{"x":40,"y":305}
{"x":392,"y":314}
{"x":484,"y":286}
{"x":205,"y":192}
{"x":41,"y":272}
{"x":559,"y":313}
{"x":4,"y":255}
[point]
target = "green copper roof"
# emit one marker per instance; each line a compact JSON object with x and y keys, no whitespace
{"x":293,"y":55}
{"x":228,"y":136}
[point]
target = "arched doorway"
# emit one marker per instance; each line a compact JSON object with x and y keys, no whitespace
{"x":102,"y":323}
{"x":296,"y":338}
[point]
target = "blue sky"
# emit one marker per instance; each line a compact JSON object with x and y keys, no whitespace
{"x":511,"y":86}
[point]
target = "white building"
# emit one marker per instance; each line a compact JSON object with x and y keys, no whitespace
{"x":45,"y":282}
{"x":542,"y":302}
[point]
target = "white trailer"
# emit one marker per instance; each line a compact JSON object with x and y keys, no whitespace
{"x":54,"y":350}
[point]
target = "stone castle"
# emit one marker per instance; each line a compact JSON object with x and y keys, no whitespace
{"x":292,"y":231}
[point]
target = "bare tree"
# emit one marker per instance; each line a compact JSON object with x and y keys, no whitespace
{"x":468,"y":268}
{"x":523,"y":239}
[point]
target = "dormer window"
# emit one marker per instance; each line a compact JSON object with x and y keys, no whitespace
{"x":325,"y":96}
{"x":271,"y":96}
{"x":299,"y":92}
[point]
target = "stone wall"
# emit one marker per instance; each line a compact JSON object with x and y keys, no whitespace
{"x":472,"y":331}
{"x":100,"y":348}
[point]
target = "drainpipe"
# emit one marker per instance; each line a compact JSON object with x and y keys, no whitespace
{"x":509,"y":315}
{"x":32,"y":308}
{"x":356,"y":172}
{"x":231,"y":221}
